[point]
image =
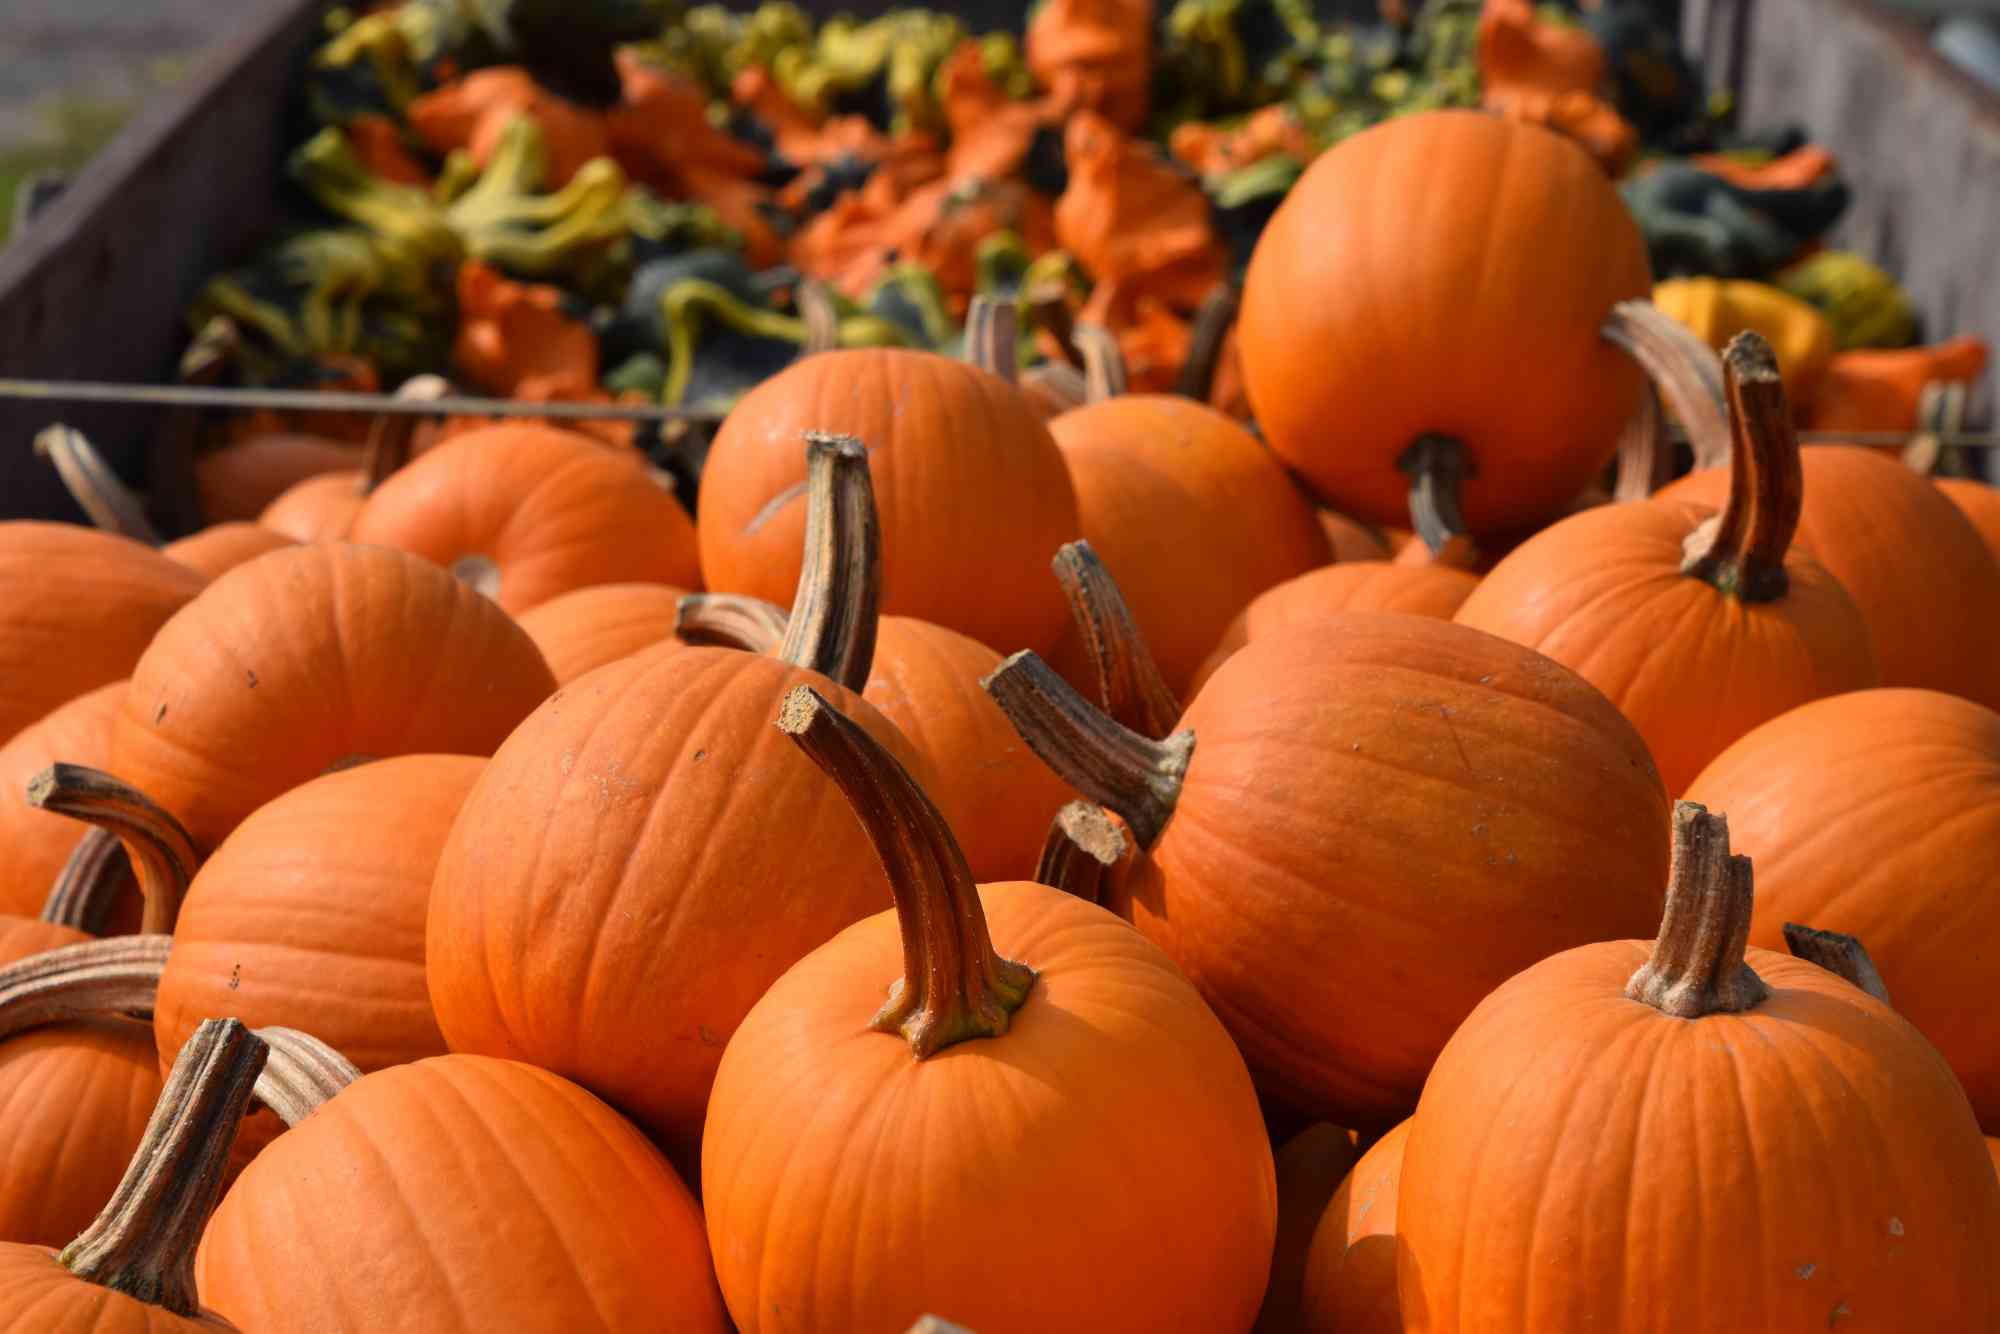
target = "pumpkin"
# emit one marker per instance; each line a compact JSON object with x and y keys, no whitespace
{"x":1352,"y":540}
{"x":639,"y":807}
{"x":230,"y":705}
{"x":1699,"y":625}
{"x":520,"y":1202}
{"x":1717,"y":309}
{"x":1495,"y":250}
{"x":1882,"y":389}
{"x":1872,"y":814}
{"x":1349,"y":1281}
{"x":973,"y":492}
{"x":1024,"y":1058}
{"x":525,"y":513}
{"x":77,"y":608}
{"x":221,"y":547}
{"x":1413,"y":590}
{"x":581,"y":630}
{"x":1693,"y":1062}
{"x":243,"y":479}
{"x":1311,"y":1166}
{"x":1979,"y":502}
{"x":39,"y":843}
{"x":322,"y":506}
{"x":1925,"y":583}
{"x":1540,"y":817}
{"x":131,"y":1269}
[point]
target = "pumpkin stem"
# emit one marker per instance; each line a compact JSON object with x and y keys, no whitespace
{"x":730,"y":620}
{"x":1645,"y":454}
{"x":162,"y":852}
{"x":1048,"y":306}
{"x":1682,"y":368}
{"x":91,"y":483}
{"x":93,"y":979}
{"x":832,"y":625}
{"x":1128,"y":680}
{"x":1437,"y":466}
{"x":1841,"y":955}
{"x":1084,"y":843}
{"x":992,"y":326}
{"x":954,"y":986}
{"x":1212,"y":322}
{"x":303,"y":1072}
{"x":1104,"y":372}
{"x":391,"y":435}
{"x":91,"y":884}
{"x":1697,"y":965}
{"x":1060,"y":381}
{"x":821,"y":316}
{"x":143,"y":1243}
{"x":1112,"y":765}
{"x":1741,"y":551}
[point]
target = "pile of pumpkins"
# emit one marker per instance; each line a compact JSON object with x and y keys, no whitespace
{"x":1017,"y":866}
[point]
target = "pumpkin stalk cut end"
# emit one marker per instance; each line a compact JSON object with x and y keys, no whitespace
{"x":143,"y":1243}
{"x":1683,"y":370}
{"x":162,"y":851}
{"x":1129,"y":682}
{"x":1212,"y":322}
{"x":1697,"y":967}
{"x":1084,"y":843}
{"x":992,"y":326}
{"x":302,"y":1073}
{"x":91,"y":884}
{"x":94,"y":486}
{"x":117,"y":978}
{"x":1136,"y":776}
{"x":1844,"y":956}
{"x":1741,"y":551}
{"x":832,"y":625}
{"x":1104,"y":371}
{"x":730,"y":620}
{"x":954,"y":985}
{"x":1437,"y":466}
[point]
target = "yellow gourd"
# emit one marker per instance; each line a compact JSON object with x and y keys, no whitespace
{"x":1718,"y":309}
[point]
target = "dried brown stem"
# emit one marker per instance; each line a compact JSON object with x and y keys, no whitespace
{"x":96,"y":979}
{"x":1437,"y":466}
{"x":163,"y":854}
{"x":1645,"y":452}
{"x":91,"y":884}
{"x":1049,"y":307}
{"x":1130,"y":686}
{"x":1682,"y":368}
{"x":730,"y":620}
{"x":1741,"y":551}
{"x":1212,"y":323}
{"x":1059,"y":381}
{"x":143,"y":1243}
{"x":992,"y":327}
{"x":832,"y":624}
{"x":1697,"y":966}
{"x":954,"y":985}
{"x":1843,"y":956}
{"x":821,"y":316}
{"x":96,"y":488}
{"x":1084,"y":843}
{"x":1104,"y":372}
{"x":390,"y":435}
{"x":303,"y":1072}
{"x":1134,"y":775}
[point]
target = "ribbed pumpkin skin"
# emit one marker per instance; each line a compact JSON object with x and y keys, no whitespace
{"x":1190,"y":513}
{"x":1925,"y":582}
{"x":1582,"y":1162}
{"x":629,"y":875}
{"x":311,"y":914}
{"x":1694,"y":669}
{"x":460,"y":1195}
{"x":1463,"y":298}
{"x":77,"y":608}
{"x":317,"y":509}
{"x":38,"y":843}
{"x":833,"y":1160}
{"x":39,"y":1296}
{"x":554,"y":510}
{"x":74,"y":1099}
{"x":1979,"y":503}
{"x":1877,"y":814}
{"x":224,"y":546}
{"x":973,"y":495}
{"x":1412,"y":590}
{"x":995,"y":793}
{"x":308,"y":657}
{"x":1432,"y":806}
{"x":583,"y":630}
{"x":1350,"y":1283}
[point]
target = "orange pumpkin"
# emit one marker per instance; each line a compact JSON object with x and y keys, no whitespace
{"x":231,"y":704}
{"x":221,"y":547}
{"x":1351,"y":539}
{"x":1979,"y":502}
{"x":1311,"y":1165}
{"x":38,"y":843}
{"x":323,"y":505}
{"x":1086,"y":1025}
{"x":1540,"y":815}
{"x":1872,"y":814}
{"x":1882,"y":389}
{"x":1692,"y":1075}
{"x":586,"y":628}
{"x":1494,"y":251}
{"x":1698,"y":625}
{"x":243,"y":479}
{"x":1349,"y":1285}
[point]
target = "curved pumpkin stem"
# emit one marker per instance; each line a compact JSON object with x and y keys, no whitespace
{"x":1059,"y":381}
{"x":1212,"y":323}
{"x":1697,"y":966}
{"x":1112,"y":765}
{"x":992,"y":327}
{"x":1843,"y":956}
{"x":303,"y":1073}
{"x":143,"y":1244}
{"x":954,"y":986}
{"x":1104,"y":372}
{"x":730,"y":620}
{"x":821,"y":316}
{"x":1048,"y":305}
{"x":1084,"y":843}
{"x":391,"y":435}
{"x":1438,"y":466}
{"x":1682,"y":368}
{"x":1129,"y":682}
{"x":162,"y":852}
{"x":95,"y":979}
{"x":832,"y":624}
{"x":91,"y":884}
{"x":1741,"y":551}
{"x":93,"y":485}
{"x":1645,"y":451}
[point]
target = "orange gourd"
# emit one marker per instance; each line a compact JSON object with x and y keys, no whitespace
{"x":1690,"y":1191}
{"x":586,"y":628}
{"x":1882,"y":389}
{"x":38,"y":843}
{"x":1037,"y":1020}
{"x":518,"y":339}
{"x":1796,"y":170}
{"x":1095,"y":55}
{"x":1925,"y":583}
{"x":1699,"y":625}
{"x":1494,"y":251}
{"x":473,"y":112}
{"x":1349,"y":1285}
{"x":231,"y":704}
{"x":1979,"y":502}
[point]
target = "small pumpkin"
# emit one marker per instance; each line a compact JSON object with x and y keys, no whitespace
{"x":1349,"y":1284}
{"x":1718,"y":309}
{"x":241,"y":480}
{"x":1882,"y":389}
{"x":39,"y":843}
{"x":1311,"y":1167}
{"x":582,"y":630}
{"x":323,"y":505}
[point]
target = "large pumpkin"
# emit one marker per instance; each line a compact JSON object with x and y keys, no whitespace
{"x":1979,"y":502}
{"x":1442,"y":278}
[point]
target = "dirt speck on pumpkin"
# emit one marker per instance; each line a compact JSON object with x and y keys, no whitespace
{"x":1839,"y":1313}
{"x":1806,"y":1270}
{"x":707,"y":1035}
{"x":160,"y":714}
{"x":1895,"y":1227}
{"x":250,"y":677}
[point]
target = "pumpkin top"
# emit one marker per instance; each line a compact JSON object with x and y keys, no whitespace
{"x":1741,"y":551}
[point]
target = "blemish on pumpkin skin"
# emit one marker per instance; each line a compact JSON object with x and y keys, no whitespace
{"x":160,"y":714}
{"x":1806,"y":1270}
{"x":1895,"y":1227}
{"x":251,"y":677}
{"x":1839,"y":1313}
